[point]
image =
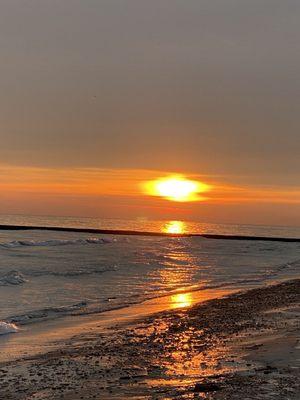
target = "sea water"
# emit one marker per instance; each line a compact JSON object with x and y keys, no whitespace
{"x":48,"y":274}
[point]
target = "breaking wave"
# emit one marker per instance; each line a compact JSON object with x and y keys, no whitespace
{"x":55,"y":242}
{"x":82,"y":308}
{"x":45,"y":313}
{"x":12,"y":278}
{"x":73,"y":272}
{"x":7,"y":327}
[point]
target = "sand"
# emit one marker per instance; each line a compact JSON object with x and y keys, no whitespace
{"x":242,"y":346}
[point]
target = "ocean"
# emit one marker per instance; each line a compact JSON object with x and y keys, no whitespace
{"x":48,"y":274}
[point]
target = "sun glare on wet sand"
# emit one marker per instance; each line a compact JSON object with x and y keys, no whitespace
{"x":181,"y":300}
{"x":176,"y":188}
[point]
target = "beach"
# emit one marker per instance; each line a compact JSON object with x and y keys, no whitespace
{"x":243,"y":345}
{"x":149,"y":200}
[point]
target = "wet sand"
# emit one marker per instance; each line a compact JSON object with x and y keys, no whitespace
{"x":243,"y":346}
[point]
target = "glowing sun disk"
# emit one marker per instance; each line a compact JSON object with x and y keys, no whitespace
{"x":176,"y":188}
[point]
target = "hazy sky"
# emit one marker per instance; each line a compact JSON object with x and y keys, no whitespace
{"x":207,"y":87}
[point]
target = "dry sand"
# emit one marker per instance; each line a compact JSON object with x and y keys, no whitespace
{"x":244,"y":346}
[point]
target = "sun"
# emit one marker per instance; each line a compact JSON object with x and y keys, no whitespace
{"x":176,"y":188}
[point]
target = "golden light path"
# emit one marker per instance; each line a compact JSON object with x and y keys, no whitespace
{"x":176,"y":188}
{"x":174,"y":227}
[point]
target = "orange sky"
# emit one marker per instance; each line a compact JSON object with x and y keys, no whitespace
{"x":119,"y":193}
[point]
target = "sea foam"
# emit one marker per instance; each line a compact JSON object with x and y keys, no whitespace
{"x":55,"y":242}
{"x":12,"y":278}
{"x":7,"y":327}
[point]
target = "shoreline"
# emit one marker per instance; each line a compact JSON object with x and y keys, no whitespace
{"x":147,"y":233}
{"x":225,"y":344}
{"x":49,"y":333}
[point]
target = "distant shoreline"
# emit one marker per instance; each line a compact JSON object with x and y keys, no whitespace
{"x":146,"y":233}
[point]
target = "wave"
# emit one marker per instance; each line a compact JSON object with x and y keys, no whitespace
{"x":73,"y":272}
{"x":55,"y":242}
{"x":16,"y":278}
{"x":12,"y":278}
{"x":286,"y":266}
{"x":45,"y":313}
{"x":82,"y":308}
{"x":7,"y":327}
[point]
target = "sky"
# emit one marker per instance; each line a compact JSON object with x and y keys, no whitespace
{"x":97,"y":96}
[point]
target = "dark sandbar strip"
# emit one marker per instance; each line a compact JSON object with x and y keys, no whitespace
{"x":141,"y":233}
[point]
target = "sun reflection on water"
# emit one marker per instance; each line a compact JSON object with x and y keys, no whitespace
{"x":177,"y":227}
{"x":181,"y":300}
